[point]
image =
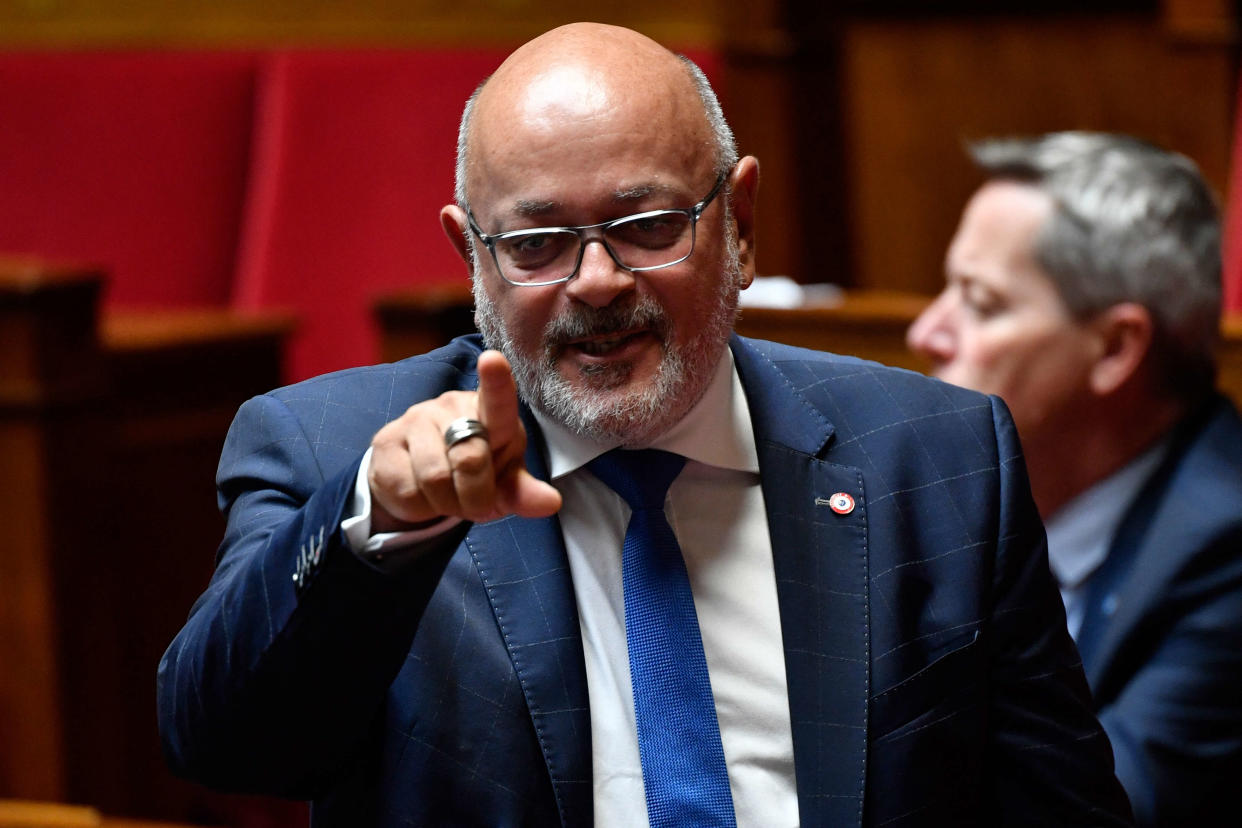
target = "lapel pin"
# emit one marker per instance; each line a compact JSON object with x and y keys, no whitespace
{"x":841,"y":503}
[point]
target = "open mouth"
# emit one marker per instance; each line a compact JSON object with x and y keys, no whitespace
{"x":605,"y":345}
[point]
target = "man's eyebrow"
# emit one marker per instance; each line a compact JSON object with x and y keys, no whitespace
{"x":526,"y":207}
{"x":636,"y":193}
{"x":530,"y":208}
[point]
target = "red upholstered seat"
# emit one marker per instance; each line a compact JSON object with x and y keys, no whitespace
{"x":354,"y":160}
{"x":1232,"y":241}
{"x":136,"y":161}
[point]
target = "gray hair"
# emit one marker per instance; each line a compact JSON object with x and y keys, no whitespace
{"x":725,"y":144}
{"x":1130,"y":223}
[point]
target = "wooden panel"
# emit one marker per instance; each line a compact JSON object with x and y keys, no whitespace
{"x":34,"y":814}
{"x":32,"y":761}
{"x":1204,"y":21}
{"x":18,"y":813}
{"x":395,"y":22}
{"x":761,"y":99}
{"x":47,"y":318}
{"x":867,"y":324}
{"x":47,"y":351}
{"x":1229,"y":378}
{"x":916,"y":91}
{"x":109,"y":439}
{"x":175,"y":380}
{"x":417,"y":321}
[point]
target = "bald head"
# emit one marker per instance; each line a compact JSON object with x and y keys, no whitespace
{"x":592,"y":49}
{"x":589,"y":82}
{"x":600,"y":133}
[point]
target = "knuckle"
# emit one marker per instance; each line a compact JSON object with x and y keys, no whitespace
{"x":389,"y":435}
{"x":449,"y":404}
{"x":396,"y":487}
{"x":436,"y":478}
{"x":384,"y":476}
{"x":459,"y":402}
{"x":470,"y":460}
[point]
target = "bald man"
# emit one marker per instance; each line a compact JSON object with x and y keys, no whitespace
{"x":435,"y":604}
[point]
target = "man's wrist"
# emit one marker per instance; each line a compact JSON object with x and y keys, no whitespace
{"x":374,"y":535}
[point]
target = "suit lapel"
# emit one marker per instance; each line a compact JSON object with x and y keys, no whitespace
{"x":1143,"y":558}
{"x":820,"y":558}
{"x":524,"y":569}
{"x":820,"y":561}
{"x":1102,"y":624}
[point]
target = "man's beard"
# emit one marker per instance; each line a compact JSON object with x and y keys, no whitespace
{"x":595,"y":406}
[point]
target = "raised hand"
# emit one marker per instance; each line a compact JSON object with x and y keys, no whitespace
{"x":416,"y":478}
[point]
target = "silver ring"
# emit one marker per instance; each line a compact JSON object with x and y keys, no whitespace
{"x":463,"y":428}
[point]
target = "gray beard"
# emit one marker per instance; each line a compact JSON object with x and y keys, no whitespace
{"x":595,"y":407}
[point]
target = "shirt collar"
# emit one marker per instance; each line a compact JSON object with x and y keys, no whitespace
{"x":1081,"y":531}
{"x":716,"y":431}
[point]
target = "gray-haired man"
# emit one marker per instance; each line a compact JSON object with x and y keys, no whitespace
{"x":1083,"y":287}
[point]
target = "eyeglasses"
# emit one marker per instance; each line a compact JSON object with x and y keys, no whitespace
{"x":550,"y":255}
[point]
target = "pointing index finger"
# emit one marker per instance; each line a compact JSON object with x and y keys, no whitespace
{"x":498,"y":404}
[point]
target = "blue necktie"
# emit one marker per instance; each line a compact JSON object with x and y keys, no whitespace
{"x":684,"y":773}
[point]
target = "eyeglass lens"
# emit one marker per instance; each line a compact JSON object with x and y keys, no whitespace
{"x":648,"y":240}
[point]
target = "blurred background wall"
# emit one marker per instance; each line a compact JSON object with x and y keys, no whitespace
{"x":293,"y":153}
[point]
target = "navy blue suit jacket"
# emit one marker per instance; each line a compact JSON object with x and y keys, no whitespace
{"x":1161,"y":637}
{"x":931,"y":680}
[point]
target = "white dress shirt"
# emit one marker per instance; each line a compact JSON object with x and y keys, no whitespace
{"x":716,"y":509}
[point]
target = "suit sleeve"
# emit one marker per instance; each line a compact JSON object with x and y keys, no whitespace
{"x":1049,"y":759}
{"x":275,"y":680}
{"x":1176,"y":726}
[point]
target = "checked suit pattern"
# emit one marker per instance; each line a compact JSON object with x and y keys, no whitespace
{"x":929,"y":680}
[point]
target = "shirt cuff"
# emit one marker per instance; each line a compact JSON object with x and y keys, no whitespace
{"x":382,"y":549}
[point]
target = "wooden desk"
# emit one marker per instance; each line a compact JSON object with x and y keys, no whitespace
{"x":1229,"y":358}
{"x":418,"y":320}
{"x":871,"y":324}
{"x":16,"y":813}
{"x":868,"y":324}
{"x":110,"y":432}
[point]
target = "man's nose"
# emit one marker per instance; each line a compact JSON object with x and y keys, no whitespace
{"x":600,"y":279}
{"x":932,"y":335}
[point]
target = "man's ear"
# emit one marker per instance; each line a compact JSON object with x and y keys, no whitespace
{"x":1125,"y":334}
{"x":743,"y":187}
{"x":456,"y":226}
